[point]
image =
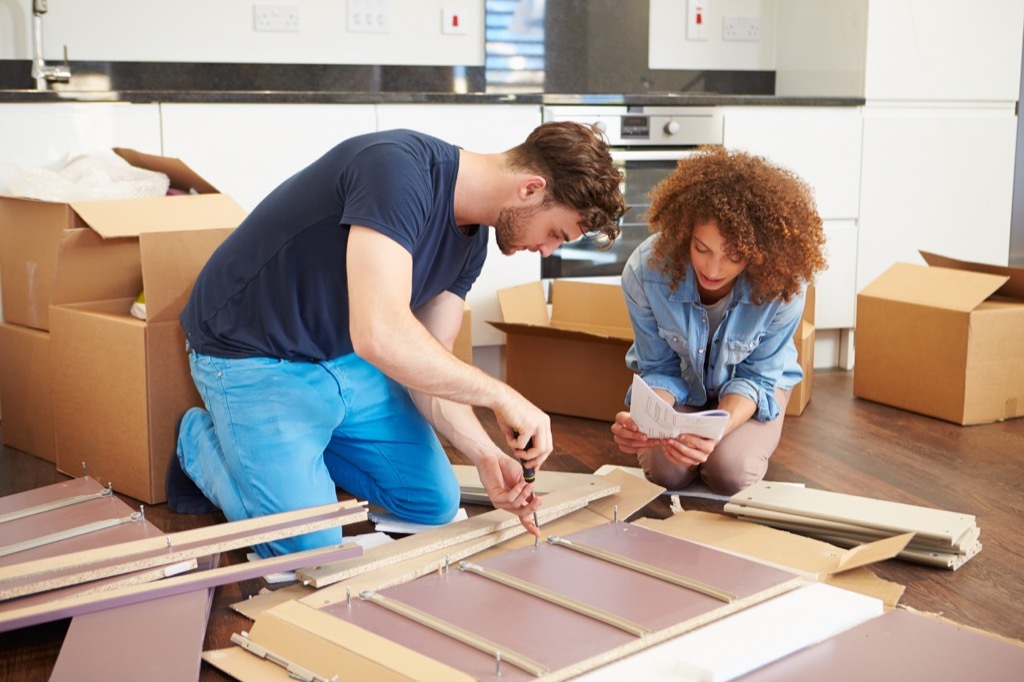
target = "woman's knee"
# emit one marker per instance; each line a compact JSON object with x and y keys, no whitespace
{"x":660,"y":471}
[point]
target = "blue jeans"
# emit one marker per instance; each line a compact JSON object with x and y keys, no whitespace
{"x":278,"y":436}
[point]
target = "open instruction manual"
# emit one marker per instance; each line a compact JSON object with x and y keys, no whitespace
{"x":658,"y":419}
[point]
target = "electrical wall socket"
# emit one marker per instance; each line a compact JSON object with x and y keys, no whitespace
{"x":741,"y":29}
{"x":369,"y":16}
{"x":280,"y":18}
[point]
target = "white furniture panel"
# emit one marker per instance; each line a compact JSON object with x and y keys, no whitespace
{"x":246,"y":150}
{"x":938,"y":179}
{"x":484,"y":128}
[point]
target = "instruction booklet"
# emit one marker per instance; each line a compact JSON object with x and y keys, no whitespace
{"x":658,"y":419}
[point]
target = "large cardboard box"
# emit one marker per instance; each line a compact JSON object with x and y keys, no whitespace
{"x":943,"y":340}
{"x":573,"y":360}
{"x":25,"y":383}
{"x":31,"y":230}
{"x":122,"y":383}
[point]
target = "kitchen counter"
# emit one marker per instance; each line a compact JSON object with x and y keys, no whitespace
{"x":140,"y":82}
{"x":702,"y":99}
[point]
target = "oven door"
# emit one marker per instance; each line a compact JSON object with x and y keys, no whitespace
{"x":642,"y":169}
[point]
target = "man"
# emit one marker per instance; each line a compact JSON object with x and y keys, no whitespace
{"x":320,"y":332}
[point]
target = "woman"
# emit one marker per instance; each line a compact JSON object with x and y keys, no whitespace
{"x":714,"y":297}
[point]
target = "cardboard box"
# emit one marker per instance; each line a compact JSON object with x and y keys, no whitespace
{"x":124,"y":382}
{"x":25,"y":383}
{"x":943,"y":340}
{"x":31,"y":230}
{"x":572,"y":361}
{"x":804,"y":340}
{"x":801,"y":395}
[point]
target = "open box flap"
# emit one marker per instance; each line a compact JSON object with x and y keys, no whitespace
{"x":588,"y":305}
{"x":170,"y":263}
{"x":132,"y":217}
{"x":96,"y":269}
{"x":1014,"y":287}
{"x":524,"y":304}
{"x":934,"y":287}
{"x":181,"y":176}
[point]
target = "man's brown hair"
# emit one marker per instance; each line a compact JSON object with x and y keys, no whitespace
{"x":577,"y":166}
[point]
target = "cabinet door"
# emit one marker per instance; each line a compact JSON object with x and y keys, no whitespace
{"x":937,"y":179}
{"x":48,"y":134}
{"x":822,"y":146}
{"x":484,"y":128}
{"x":246,"y":150}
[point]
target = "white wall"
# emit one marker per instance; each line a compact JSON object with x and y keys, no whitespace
{"x":222,"y":31}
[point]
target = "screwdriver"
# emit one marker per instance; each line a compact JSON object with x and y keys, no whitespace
{"x":529,"y":475}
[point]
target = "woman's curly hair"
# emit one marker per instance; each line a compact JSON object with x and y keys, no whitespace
{"x":765,"y":213}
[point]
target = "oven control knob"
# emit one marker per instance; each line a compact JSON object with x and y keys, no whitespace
{"x":600,"y":126}
{"x":672,"y":127}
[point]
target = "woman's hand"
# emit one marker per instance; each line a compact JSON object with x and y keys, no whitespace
{"x":688,"y":450}
{"x":628,"y":436}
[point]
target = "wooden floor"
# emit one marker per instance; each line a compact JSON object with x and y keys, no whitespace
{"x":840,"y":443}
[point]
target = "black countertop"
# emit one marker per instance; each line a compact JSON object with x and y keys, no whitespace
{"x":145,"y":82}
{"x":320,"y":97}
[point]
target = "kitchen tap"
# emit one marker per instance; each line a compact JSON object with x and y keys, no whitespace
{"x":41,"y":71}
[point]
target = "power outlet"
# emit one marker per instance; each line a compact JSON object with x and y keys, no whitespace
{"x":741,"y":29}
{"x":369,"y":16}
{"x":279,"y":18}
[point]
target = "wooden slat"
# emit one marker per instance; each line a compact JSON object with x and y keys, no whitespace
{"x":326,"y":518}
{"x":74,"y":606}
{"x":207,"y":538}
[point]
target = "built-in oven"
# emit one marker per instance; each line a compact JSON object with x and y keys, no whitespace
{"x":646,"y":143}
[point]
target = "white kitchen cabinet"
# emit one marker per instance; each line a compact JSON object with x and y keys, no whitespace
{"x":943,"y":50}
{"x":48,"y":134}
{"x":938,"y":179}
{"x":822,"y":146}
{"x":246,"y":150}
{"x":482,"y":128}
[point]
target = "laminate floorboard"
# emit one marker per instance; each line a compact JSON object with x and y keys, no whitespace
{"x":840,"y":443}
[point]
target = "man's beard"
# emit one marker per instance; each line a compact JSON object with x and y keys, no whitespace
{"x":510,"y":228}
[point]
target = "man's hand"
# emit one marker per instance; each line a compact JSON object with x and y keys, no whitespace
{"x":521,"y":422}
{"x":502,"y":478}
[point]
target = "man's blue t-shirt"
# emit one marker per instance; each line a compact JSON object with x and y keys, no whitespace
{"x":277,"y":286}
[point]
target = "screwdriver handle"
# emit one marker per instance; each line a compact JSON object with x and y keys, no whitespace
{"x":529,"y":475}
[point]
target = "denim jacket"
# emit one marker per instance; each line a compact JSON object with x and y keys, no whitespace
{"x":752,"y":352}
